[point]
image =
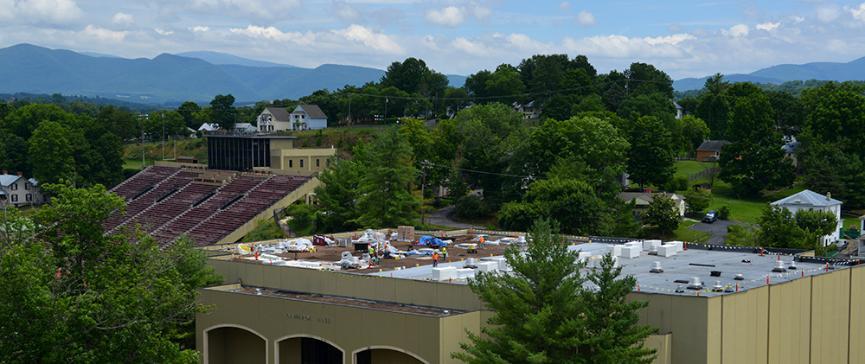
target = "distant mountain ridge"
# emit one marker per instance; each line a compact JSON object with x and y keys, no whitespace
{"x":168,"y":78}
{"x":824,"y":71}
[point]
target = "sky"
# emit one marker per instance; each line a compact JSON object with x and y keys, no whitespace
{"x":685,"y":38}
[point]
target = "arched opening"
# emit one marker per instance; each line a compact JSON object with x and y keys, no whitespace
{"x":386,"y":355}
{"x":307,"y":350}
{"x":233,"y":344}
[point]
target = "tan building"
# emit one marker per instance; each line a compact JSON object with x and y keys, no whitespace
{"x":298,"y":311}
{"x":301,"y":161}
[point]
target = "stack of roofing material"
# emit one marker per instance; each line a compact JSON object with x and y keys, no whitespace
{"x":667,"y":251}
{"x":651,"y":245}
{"x":632,"y":250}
{"x":444,"y":273}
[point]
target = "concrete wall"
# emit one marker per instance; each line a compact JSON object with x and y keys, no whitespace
{"x":350,"y":329}
{"x":303,"y":161}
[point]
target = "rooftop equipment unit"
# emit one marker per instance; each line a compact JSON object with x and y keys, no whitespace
{"x":657,"y":268}
{"x":779,"y":267}
{"x":695,"y":283}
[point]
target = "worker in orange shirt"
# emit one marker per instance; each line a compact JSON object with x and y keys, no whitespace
{"x":435,"y":257}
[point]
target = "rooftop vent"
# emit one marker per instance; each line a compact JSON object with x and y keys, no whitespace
{"x":680,"y":289}
{"x":471,"y":263}
{"x":717,"y":287}
{"x":792,"y":265}
{"x":715,"y":273}
{"x":779,"y":267}
{"x":656,"y":268}
{"x":739,"y":277}
{"x":695,"y":283}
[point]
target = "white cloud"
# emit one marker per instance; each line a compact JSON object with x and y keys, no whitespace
{"x":737,"y":31}
{"x":797,"y":19}
{"x":620,"y":46}
{"x":103,"y":34}
{"x":480,"y":11}
{"x":564,"y":5}
{"x":828,"y":13}
{"x":525,"y":43}
{"x":200,"y":29}
{"x":768,"y":26}
{"x":450,"y":16}
{"x":58,"y":11}
{"x":274,"y":34}
{"x":259,"y":8}
{"x":369,"y":38}
{"x":122,"y":19}
{"x":585,"y":18}
{"x":163,"y":32}
{"x":345,"y":11}
{"x":473,"y":48}
{"x":858,"y":13}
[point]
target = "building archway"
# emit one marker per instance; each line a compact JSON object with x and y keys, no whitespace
{"x":225,"y":344}
{"x":385,"y":355}
{"x":308,"y":349}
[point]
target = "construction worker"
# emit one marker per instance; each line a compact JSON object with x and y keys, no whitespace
{"x":435,"y":257}
{"x":481,"y":241}
{"x":445,"y":254}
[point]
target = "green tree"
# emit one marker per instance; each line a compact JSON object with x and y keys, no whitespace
{"x":693,"y":132}
{"x":188,"y":111}
{"x":542,"y":313}
{"x":71,"y":293}
{"x":662,"y":215}
{"x":13,"y":153}
{"x":651,"y":159}
{"x":816,"y":224}
{"x":713,"y":106}
{"x":337,"y":196}
{"x":24,"y":120}
{"x":614,"y":335}
{"x":413,"y":76}
{"x":697,"y":200}
{"x":385,"y":197}
{"x":222,"y":111}
{"x":778,"y":228}
{"x":51,"y":153}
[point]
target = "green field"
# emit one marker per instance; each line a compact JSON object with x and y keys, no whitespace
{"x":684,"y":233}
{"x":687,"y":168}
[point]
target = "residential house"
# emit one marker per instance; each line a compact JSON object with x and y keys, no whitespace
{"x":642,"y":200}
{"x":308,"y":117}
{"x":274,"y":119}
{"x":15,"y":190}
{"x":680,"y":111}
{"x":710,"y":150}
{"x":529,"y":110}
{"x":810,"y":200}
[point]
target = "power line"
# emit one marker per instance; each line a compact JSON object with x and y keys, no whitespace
{"x":477,"y":171}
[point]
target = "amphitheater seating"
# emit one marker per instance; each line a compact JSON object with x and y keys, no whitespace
{"x":169,"y":202}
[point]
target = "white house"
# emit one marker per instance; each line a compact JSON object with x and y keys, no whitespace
{"x":810,"y":200}
{"x":15,"y":190}
{"x":529,"y":111}
{"x":680,"y":111}
{"x":642,"y":200}
{"x":308,"y":117}
{"x":274,"y":119}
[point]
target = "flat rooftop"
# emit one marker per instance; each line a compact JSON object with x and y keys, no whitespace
{"x":720,"y":269}
{"x":340,"y":300}
{"x":678,"y":270}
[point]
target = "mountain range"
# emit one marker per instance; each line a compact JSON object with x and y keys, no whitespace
{"x":170,"y":78}
{"x":824,"y":71}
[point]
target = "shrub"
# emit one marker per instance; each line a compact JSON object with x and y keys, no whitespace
{"x":471,"y":207}
{"x":724,"y":213}
{"x":676,"y":184}
{"x":697,"y":201}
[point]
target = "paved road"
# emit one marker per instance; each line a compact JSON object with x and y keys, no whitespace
{"x":717,"y":230}
{"x":443,"y":217}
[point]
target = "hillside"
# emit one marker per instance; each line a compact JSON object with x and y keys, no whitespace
{"x":168,"y":78}
{"x":827,"y":71}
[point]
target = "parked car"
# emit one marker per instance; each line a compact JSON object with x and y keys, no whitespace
{"x":710,"y":217}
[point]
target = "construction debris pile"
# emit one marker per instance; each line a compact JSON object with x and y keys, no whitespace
{"x":374,"y":251}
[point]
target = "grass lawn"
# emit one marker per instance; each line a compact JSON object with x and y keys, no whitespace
{"x":687,"y":168}
{"x":743,"y":210}
{"x":684,"y":233}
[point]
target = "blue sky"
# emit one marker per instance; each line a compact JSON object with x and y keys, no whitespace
{"x":684,"y":38}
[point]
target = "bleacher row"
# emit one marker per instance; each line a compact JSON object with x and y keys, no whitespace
{"x":168,"y":202}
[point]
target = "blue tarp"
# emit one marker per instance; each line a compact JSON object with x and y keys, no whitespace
{"x":431,"y":242}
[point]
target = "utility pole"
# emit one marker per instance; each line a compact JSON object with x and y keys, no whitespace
{"x":422,"y":185}
{"x":385,"y":109}
{"x":162,"y":121}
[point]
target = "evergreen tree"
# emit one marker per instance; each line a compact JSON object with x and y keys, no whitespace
{"x":386,"y":186}
{"x":543,"y":314}
{"x":614,"y":335}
